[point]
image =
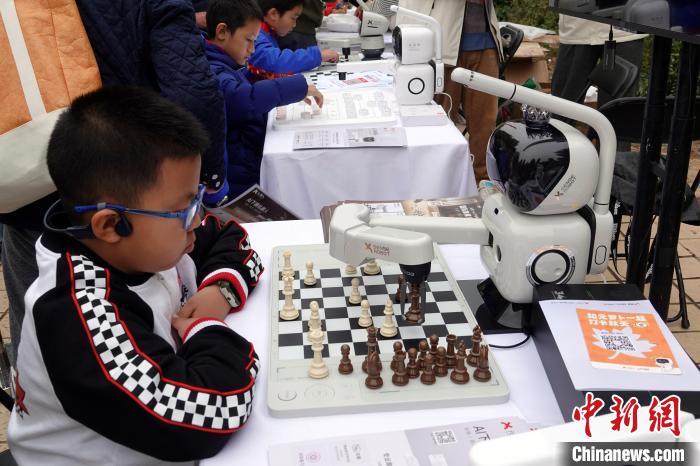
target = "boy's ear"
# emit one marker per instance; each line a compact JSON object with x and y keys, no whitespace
{"x":104,"y":223}
{"x":221,"y":30}
{"x":272,"y":15}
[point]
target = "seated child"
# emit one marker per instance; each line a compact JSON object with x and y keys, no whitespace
{"x":124,"y":357}
{"x":268,"y":60}
{"x":233,"y":26}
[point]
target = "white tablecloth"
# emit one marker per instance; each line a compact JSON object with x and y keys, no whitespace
{"x":531,"y":396}
{"x":435,"y":164}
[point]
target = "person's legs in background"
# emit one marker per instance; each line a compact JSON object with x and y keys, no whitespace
{"x":480,"y":108}
{"x":19,"y":270}
{"x":453,"y":89}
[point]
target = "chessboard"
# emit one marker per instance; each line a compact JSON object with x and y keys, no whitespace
{"x":292,"y":393}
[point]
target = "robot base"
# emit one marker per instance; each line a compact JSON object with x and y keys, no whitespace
{"x":497,"y":314}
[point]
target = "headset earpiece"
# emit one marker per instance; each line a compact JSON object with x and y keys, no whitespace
{"x":123,"y":227}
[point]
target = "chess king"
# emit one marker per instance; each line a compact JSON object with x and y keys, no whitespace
{"x":551,"y":223}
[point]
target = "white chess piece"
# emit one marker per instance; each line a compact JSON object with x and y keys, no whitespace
{"x":288,"y":312}
{"x":310,"y":278}
{"x":355,"y":296}
{"x":318,"y":369}
{"x":287,"y":269}
{"x":350,"y":269}
{"x":388,"y":326}
{"x":372,"y":268}
{"x":365,"y":319}
{"x":315,"y":319}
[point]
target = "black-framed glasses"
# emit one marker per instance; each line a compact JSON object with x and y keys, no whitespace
{"x":186,"y":215}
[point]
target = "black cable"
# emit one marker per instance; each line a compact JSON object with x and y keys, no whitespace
{"x":527,"y":337}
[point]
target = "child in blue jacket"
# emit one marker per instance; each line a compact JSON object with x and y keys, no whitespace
{"x":268,"y":60}
{"x":233,"y":26}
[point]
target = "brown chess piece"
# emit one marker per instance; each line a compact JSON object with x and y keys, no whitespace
{"x":428,"y":376}
{"x":473,"y":357}
{"x":482,"y":372}
{"x":441,"y":362}
{"x":460,"y":375}
{"x":433,"y":345}
{"x":371,"y":347}
{"x":415,"y":313}
{"x":398,"y":348}
{"x":451,"y":360}
{"x":400,"y":376}
{"x":345,"y":366}
{"x":412,"y":366}
{"x":374,"y":379}
{"x":423,"y":347}
{"x":400,"y":290}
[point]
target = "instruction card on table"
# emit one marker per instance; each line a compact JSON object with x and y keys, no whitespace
{"x":350,"y":137}
{"x":430,"y":446}
{"x":618,"y":345}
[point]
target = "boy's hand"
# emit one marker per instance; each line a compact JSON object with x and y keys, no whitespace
{"x":314,"y":93}
{"x":208,"y":302}
{"x":328,"y":55}
{"x":181,"y":324}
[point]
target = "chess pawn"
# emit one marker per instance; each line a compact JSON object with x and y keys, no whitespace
{"x":398,"y":347}
{"x":412,"y":367}
{"x":372,"y":268}
{"x":441,"y":362}
{"x":433,"y":345}
{"x":473,"y":357}
{"x":345,"y":366}
{"x":318,"y":369}
{"x":428,"y":376}
{"x":374,"y":379}
{"x":355,"y":297}
{"x":288,"y":312}
{"x":287,"y":269}
{"x":399,"y":296}
{"x":400,"y":377}
{"x":365,"y":319}
{"x":315,"y":319}
{"x":310,"y":278}
{"x":423,"y":347}
{"x":388,"y":327}
{"x":350,"y":269}
{"x":451,"y":360}
{"x":482,"y":372}
{"x":460,"y":375}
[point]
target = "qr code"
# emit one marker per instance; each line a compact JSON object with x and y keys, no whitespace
{"x":444,"y":437}
{"x":618,"y":343}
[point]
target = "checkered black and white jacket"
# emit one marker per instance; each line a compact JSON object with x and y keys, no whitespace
{"x":101,"y":376}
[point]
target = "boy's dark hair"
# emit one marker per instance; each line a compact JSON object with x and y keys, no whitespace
{"x":233,"y":13}
{"x":112,"y":141}
{"x":282,"y":6}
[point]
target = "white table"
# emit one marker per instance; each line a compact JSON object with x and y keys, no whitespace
{"x":435,"y":164}
{"x":531,"y":396}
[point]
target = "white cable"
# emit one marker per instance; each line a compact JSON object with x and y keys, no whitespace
{"x":449,"y":97}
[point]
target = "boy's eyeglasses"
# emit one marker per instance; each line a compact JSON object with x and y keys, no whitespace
{"x":186,"y":215}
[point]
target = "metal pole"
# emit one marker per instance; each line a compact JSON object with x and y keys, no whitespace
{"x":675,"y":179}
{"x":650,"y":151}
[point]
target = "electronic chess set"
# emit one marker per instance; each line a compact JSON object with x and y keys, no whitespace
{"x":330,"y":324}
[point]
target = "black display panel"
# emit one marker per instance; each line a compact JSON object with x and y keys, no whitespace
{"x":677,"y":19}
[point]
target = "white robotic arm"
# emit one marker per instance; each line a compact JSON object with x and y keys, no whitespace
{"x":519,"y":250}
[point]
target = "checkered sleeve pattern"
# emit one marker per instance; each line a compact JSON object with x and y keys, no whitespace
{"x":137,"y":375}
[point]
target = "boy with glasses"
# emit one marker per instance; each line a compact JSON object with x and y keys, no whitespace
{"x":124,"y":357}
